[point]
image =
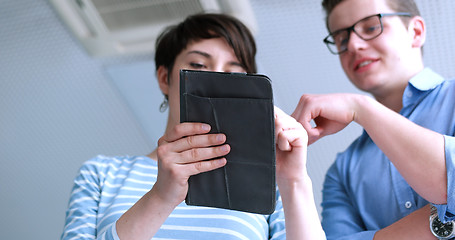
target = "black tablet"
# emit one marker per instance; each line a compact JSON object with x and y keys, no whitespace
{"x":240,"y":106}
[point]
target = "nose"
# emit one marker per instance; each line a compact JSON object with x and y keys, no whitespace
{"x":355,"y":43}
{"x":219,"y":67}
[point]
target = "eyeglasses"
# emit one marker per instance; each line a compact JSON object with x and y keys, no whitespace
{"x":367,"y":28}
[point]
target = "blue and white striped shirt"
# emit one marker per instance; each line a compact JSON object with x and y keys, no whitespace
{"x":106,"y":187}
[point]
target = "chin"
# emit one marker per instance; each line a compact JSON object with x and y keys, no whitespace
{"x":366,"y":85}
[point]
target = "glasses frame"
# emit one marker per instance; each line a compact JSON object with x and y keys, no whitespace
{"x":352,"y":29}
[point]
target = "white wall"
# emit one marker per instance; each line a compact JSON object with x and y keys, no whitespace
{"x":60,"y":107}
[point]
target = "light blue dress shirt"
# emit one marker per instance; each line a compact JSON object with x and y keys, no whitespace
{"x":363,"y":191}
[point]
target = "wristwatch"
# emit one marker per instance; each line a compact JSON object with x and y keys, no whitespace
{"x":441,"y":230}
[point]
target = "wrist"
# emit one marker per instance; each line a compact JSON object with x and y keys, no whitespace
{"x":302,"y":185}
{"x":162,"y":199}
{"x":361,"y":105}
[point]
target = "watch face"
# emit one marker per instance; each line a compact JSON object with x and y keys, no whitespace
{"x":440,"y":229}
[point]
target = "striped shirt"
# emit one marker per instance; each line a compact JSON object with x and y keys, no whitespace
{"x":106,"y":187}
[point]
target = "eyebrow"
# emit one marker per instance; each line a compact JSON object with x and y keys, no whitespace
{"x":204,"y":54}
{"x":200,"y":53}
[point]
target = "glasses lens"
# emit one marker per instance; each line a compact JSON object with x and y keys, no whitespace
{"x":369,"y":28}
{"x":341,"y":38}
{"x":336,"y":41}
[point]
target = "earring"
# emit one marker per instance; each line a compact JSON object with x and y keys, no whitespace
{"x":164,"y":104}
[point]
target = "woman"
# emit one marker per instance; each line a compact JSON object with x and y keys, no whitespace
{"x":142,"y":197}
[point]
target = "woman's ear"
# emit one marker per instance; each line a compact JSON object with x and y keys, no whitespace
{"x":162,"y":74}
{"x":417,"y":28}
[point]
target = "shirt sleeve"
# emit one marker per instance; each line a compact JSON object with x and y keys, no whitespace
{"x":340,"y":219}
{"x":277,"y":230}
{"x":80,"y":222}
{"x":446,"y":211}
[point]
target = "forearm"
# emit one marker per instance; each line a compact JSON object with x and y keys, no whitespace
{"x":144,"y":218}
{"x":301,"y":216}
{"x":417,"y":153}
{"x":414,"y":226}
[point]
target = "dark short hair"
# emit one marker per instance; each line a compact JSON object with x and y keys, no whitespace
{"x":174,"y":39}
{"x":396,"y":5}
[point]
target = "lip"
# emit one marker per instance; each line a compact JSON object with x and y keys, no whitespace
{"x":364,"y":64}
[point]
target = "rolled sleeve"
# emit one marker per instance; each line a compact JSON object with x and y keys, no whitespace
{"x":340,"y":220}
{"x":446,"y":211}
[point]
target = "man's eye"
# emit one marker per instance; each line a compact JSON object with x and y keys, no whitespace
{"x":341,"y":39}
{"x":372,"y":29}
{"x":197,"y":65}
{"x":338,"y":36}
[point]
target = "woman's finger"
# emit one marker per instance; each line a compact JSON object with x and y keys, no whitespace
{"x":290,"y":138}
{"x":184,"y":129}
{"x":204,"y":166}
{"x":199,"y":154}
{"x":198,"y":141}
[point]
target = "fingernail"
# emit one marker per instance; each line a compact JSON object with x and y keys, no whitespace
{"x":222,"y":161}
{"x":205,"y":127}
{"x":224,"y":148}
{"x":219,"y":138}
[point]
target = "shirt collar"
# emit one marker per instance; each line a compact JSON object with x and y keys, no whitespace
{"x":426,"y":80}
{"x":418,"y":85}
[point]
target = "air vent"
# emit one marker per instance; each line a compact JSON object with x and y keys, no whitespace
{"x":113,"y":27}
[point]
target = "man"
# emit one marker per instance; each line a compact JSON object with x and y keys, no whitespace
{"x":383,"y":185}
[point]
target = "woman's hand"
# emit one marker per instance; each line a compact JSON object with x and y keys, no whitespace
{"x":184,"y":151}
{"x":291,"y":147}
{"x":302,"y":219}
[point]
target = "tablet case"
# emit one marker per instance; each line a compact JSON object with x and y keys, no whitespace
{"x":240,"y":106}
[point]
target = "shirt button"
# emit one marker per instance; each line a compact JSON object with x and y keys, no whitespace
{"x":409,"y":94}
{"x":408,"y":204}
